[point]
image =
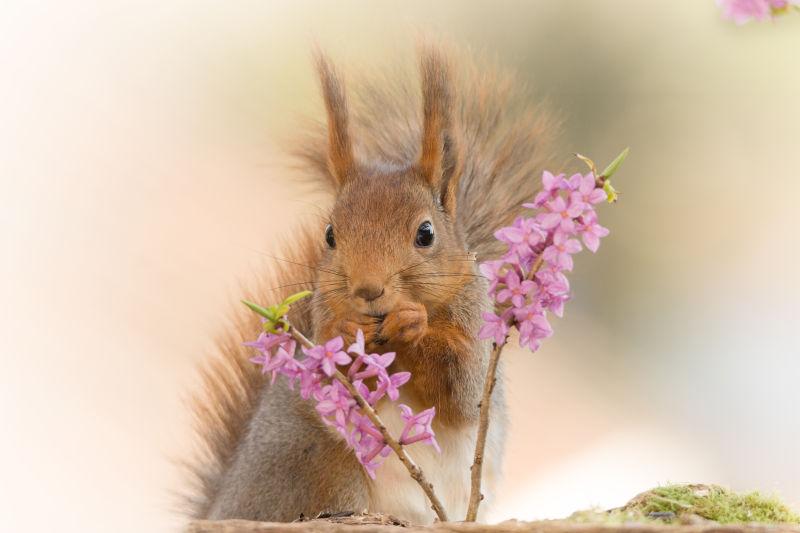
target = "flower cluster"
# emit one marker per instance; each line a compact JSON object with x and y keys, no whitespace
{"x":742,"y":11}
{"x":529,"y":279}
{"x":369,"y":375}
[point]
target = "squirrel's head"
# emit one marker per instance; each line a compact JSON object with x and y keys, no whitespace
{"x":392,"y":231}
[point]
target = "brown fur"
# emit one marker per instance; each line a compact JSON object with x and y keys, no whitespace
{"x":465,"y":162}
{"x":230,"y":383}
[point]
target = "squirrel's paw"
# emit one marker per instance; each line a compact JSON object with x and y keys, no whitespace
{"x":407,"y":323}
{"x":349,"y":326}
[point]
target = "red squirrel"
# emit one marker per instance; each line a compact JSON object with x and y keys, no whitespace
{"x":419,"y":185}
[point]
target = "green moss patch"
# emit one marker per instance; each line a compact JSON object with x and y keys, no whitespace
{"x":687,"y":503}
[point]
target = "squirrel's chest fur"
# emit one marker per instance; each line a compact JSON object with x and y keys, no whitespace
{"x":395,"y":492}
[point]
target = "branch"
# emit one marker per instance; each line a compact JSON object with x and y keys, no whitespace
{"x":411,"y":466}
{"x":476,"y":470}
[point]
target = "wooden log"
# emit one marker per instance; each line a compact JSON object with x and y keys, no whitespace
{"x":360,"y":524}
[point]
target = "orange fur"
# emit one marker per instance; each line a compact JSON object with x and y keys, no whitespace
{"x":341,"y":164}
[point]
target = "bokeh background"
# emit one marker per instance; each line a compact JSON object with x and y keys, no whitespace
{"x":142,"y":180}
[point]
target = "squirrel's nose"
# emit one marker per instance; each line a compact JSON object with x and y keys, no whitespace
{"x":369,"y":290}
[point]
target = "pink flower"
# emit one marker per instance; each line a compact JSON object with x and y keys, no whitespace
{"x":368,"y":443}
{"x":558,"y":253}
{"x":371,"y":453}
{"x":418,"y":427}
{"x":554,"y":289}
{"x":357,"y":348}
{"x":372,"y":460}
{"x":561,"y":214}
{"x":573,"y":182}
{"x":310,"y":384}
{"x":555,"y":303}
{"x":265,"y":343}
{"x":263,"y":358}
{"x":587,"y":192}
{"x":524,"y":235}
{"x":533,"y":326}
{"x":494,"y":327}
{"x":362,"y":424}
{"x":284,"y":363}
{"x":374,"y":365}
{"x":742,"y":11}
{"x":491,"y":270}
{"x":590,"y":231}
{"x":329,"y":355}
{"x":551,"y":182}
{"x":551,"y":185}
{"x":276,"y":354}
{"x":389,"y":385}
{"x":337,"y":402}
{"x":552,"y":280}
{"x":515,"y":289}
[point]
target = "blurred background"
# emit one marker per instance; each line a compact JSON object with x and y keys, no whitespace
{"x":142,"y":178}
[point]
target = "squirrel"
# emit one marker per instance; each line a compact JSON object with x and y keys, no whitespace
{"x":419,"y":186}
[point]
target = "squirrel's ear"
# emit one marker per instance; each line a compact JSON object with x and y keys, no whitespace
{"x":341,"y":162}
{"x":440,"y":161}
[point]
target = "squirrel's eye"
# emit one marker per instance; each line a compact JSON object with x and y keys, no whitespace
{"x":329,"y":236}
{"x":424,"y":235}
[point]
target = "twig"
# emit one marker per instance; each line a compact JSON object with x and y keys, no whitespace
{"x":411,"y":466}
{"x":476,"y":470}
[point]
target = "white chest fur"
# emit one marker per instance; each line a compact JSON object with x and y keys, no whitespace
{"x":396,"y":493}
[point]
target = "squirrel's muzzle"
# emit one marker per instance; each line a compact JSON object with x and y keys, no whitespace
{"x":368,"y":290}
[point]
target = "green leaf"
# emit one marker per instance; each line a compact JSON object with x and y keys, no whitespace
{"x":269,"y":314}
{"x":615,"y":164}
{"x":281,"y":310}
{"x":297,"y":297}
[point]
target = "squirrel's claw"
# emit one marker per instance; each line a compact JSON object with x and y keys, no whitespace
{"x":406,"y":324}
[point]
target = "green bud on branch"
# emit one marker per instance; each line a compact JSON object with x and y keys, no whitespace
{"x":275,"y":313}
{"x":615,"y":164}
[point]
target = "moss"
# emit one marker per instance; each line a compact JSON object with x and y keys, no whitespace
{"x":678,"y":503}
{"x":615,"y":516}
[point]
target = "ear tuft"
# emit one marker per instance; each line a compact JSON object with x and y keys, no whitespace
{"x":341,"y":162}
{"x":440,"y":159}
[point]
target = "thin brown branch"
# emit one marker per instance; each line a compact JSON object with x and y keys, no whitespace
{"x":476,"y":470}
{"x":414,"y":470}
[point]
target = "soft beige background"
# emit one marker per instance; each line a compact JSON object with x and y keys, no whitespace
{"x":141,"y":180}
